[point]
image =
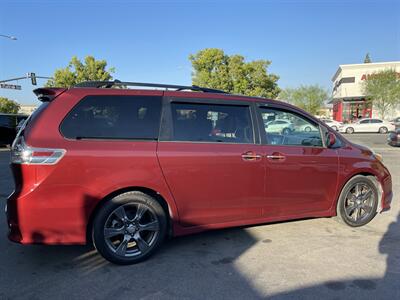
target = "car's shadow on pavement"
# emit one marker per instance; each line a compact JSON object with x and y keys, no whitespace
{"x":196,"y":267}
{"x":387,"y":287}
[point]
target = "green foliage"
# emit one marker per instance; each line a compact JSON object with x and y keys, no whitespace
{"x":383,"y":89}
{"x":76,"y":72}
{"x":367,"y":59}
{"x":8,"y":106}
{"x":310,"y":98}
{"x":213,"y":68}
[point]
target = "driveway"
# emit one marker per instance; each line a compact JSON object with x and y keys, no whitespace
{"x":314,"y":258}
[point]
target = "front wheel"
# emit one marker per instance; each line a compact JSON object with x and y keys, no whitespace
{"x":383,"y":130}
{"x":129,"y":228}
{"x":349,"y":130}
{"x":358,"y":201}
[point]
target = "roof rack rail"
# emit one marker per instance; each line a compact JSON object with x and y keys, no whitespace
{"x":109,"y":84}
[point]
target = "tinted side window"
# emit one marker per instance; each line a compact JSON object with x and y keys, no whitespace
{"x":114,"y":117}
{"x":211,"y":123}
{"x":296,"y":130}
{"x":376,"y":121}
{"x":364,"y":122}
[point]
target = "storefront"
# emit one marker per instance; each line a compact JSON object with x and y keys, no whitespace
{"x":349,"y":101}
{"x":349,"y":110}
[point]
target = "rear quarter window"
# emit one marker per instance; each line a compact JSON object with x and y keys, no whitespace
{"x":114,"y":117}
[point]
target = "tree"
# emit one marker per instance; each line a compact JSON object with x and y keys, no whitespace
{"x":310,"y":98}
{"x":213,"y":68}
{"x":8,"y":106}
{"x":383,"y":89}
{"x":367,"y":59}
{"x":76,"y":72}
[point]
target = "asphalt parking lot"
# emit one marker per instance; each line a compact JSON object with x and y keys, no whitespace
{"x":313,"y":259}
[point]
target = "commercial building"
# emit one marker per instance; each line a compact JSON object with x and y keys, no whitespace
{"x":27,"y":109}
{"x":349,"y":101}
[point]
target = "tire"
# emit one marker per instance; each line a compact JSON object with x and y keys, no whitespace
{"x":334,"y":128}
{"x":349,"y":130}
{"x":307,"y":129}
{"x":129,"y":228}
{"x":383,"y":130}
{"x":358,"y":211}
{"x":286,"y":131}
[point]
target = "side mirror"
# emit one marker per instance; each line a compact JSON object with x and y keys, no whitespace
{"x":331,"y":139}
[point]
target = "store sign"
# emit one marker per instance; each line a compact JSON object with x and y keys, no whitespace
{"x":10,"y":86}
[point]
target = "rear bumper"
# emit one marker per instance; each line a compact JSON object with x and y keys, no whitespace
{"x":31,"y":221}
{"x":14,"y":234}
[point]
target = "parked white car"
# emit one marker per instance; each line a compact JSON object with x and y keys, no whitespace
{"x":301,"y":125}
{"x":279,"y":126}
{"x":369,"y":125}
{"x":335,"y":125}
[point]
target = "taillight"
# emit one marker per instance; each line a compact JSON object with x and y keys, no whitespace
{"x":21,"y":153}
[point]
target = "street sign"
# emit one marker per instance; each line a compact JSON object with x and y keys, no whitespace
{"x":10,"y":86}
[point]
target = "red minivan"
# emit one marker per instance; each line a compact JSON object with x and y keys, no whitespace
{"x":125,"y":167}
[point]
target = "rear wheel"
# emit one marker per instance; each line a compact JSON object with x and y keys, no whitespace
{"x":383,"y":130}
{"x":349,"y":130}
{"x":286,"y":131}
{"x":358,"y":201}
{"x":307,"y":129}
{"x":334,"y":128}
{"x":129,"y":228}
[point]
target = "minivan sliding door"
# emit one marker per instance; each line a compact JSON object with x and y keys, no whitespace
{"x":211,"y":160}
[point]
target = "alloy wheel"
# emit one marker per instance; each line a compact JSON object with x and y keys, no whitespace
{"x":359,"y":203}
{"x":131,"y":229}
{"x":383,"y":130}
{"x":350,"y":130}
{"x":286,"y":131}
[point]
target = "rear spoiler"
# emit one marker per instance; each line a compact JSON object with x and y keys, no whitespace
{"x":48,"y":94}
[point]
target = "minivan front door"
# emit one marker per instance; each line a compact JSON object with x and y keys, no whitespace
{"x":211,"y":161}
{"x":301,"y":174}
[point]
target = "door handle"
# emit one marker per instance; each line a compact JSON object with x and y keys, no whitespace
{"x":250,"y":155}
{"x":276,"y":157}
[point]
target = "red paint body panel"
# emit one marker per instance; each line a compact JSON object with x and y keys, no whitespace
{"x":205,"y":185}
{"x":211,"y":182}
{"x":302,"y":182}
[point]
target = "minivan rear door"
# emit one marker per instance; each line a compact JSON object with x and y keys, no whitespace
{"x":210,"y":157}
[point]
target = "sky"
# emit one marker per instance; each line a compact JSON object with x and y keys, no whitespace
{"x":150,"y":41}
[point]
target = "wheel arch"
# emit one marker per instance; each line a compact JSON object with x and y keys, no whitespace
{"x":366,"y":173}
{"x":148,"y":191}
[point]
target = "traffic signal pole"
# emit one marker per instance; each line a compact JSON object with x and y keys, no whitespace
{"x":32,"y":76}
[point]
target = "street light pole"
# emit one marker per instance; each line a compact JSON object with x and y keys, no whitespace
{"x":9,"y":37}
